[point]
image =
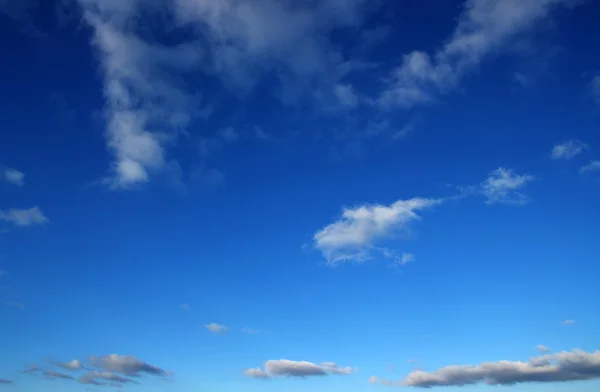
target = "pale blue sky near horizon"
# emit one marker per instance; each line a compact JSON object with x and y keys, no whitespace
{"x":257,"y":195}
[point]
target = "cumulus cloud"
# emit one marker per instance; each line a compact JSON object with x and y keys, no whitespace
{"x":592,"y":167}
{"x":568,"y":149}
{"x":354,"y":236}
{"x":216,"y":328}
{"x":12,"y":176}
{"x":24,"y":217}
{"x":572,"y":365}
{"x":484,"y":28}
{"x":287,"y":368}
{"x":504,"y":186}
{"x":126,"y":364}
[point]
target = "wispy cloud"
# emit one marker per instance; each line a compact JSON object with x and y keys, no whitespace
{"x":541,"y":348}
{"x":355,"y":235}
{"x":52,"y":374}
{"x":6,"y":381}
{"x":575,"y":365}
{"x":568,"y":322}
{"x":485,"y":27}
{"x":504,"y":186}
{"x":185,"y":307}
{"x":592,"y":167}
{"x":126,"y":364}
{"x":99,"y":378}
{"x":216,"y":328}
{"x":12,"y":176}
{"x":24,"y":217}
{"x":568,"y":149}
{"x":250,"y":331}
{"x":287,"y":368}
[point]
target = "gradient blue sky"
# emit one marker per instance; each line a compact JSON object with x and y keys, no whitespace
{"x":206,"y":189}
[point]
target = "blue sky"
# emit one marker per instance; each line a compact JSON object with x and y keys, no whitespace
{"x":319,"y":195}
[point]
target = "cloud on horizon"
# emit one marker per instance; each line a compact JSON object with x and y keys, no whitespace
{"x":575,"y":365}
{"x":287,"y":368}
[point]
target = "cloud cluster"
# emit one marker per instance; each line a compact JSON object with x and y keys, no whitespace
{"x":147,"y":103}
{"x":106,"y":370}
{"x":24,"y":217}
{"x":504,"y":186}
{"x":287,"y":368}
{"x":485,"y":27}
{"x":353,"y":237}
{"x":575,"y":365}
{"x":12,"y":176}
{"x":568,"y":149}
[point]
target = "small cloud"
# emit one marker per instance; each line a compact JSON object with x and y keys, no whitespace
{"x":18,"y":305}
{"x":250,"y":331}
{"x":543,"y":349}
{"x":93,"y":377}
{"x":377,"y":380}
{"x":287,"y":368}
{"x":4,"y":381}
{"x":521,"y":79}
{"x":346,"y":95}
{"x":503,"y":187}
{"x":568,"y":322}
{"x":56,"y":375}
{"x":229,"y":135}
{"x":412,"y":361}
{"x":24,"y":217}
{"x":127,"y":365}
{"x":185,"y":307}
{"x":353,"y":237}
{"x":407,"y":258}
{"x":73,"y":365}
{"x":12,"y":176}
{"x":216,"y":328}
{"x":568,"y":149}
{"x":592,"y":167}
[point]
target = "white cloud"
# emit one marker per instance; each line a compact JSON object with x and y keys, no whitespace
{"x":592,"y":167}
{"x":24,"y":217}
{"x":285,"y":367}
{"x":12,"y":176}
{"x":354,"y":236}
{"x":407,"y":258}
{"x":185,"y":307}
{"x":504,"y":186}
{"x":541,"y":348}
{"x":568,"y":149}
{"x":568,"y":322}
{"x":148,"y":104}
{"x":250,"y":331}
{"x":559,"y":367}
{"x":485,"y":27}
{"x":72,"y":365}
{"x":216,"y":328}
{"x":126,"y":364}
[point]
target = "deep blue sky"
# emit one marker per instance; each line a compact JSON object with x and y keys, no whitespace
{"x":247,"y":195}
